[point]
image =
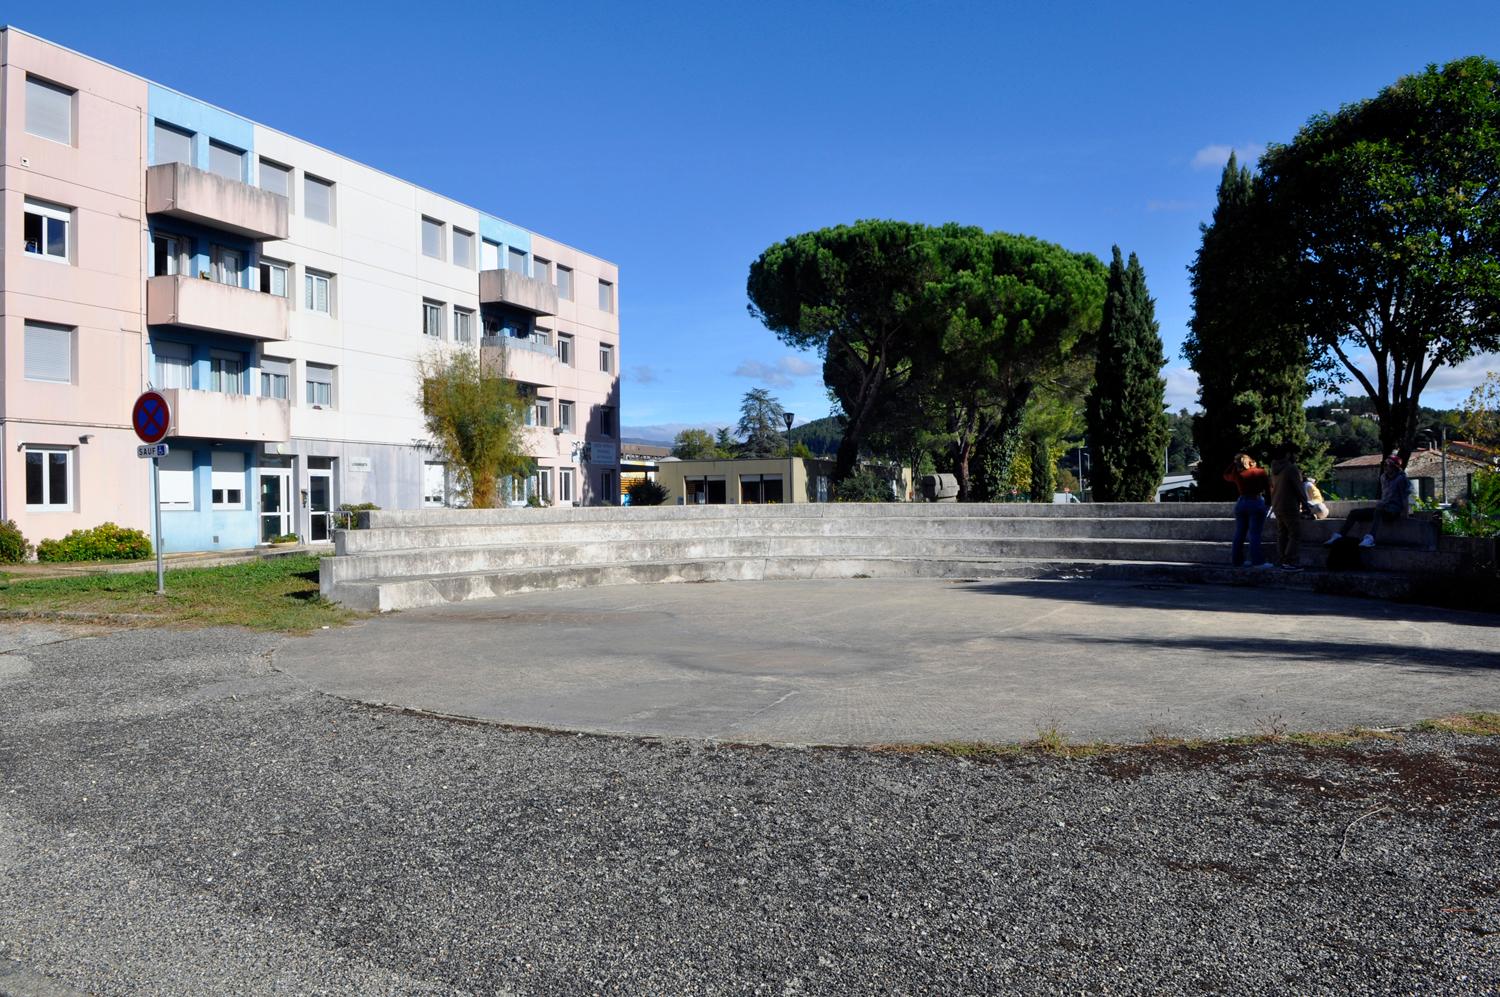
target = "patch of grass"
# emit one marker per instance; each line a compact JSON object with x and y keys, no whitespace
{"x":1481,"y":724}
{"x":275,"y":594}
{"x":1052,"y":741}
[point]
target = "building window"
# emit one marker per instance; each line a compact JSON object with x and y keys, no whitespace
{"x":463,"y":325}
{"x":432,"y":319}
{"x":606,"y":420}
{"x":543,"y":269}
{"x":276,"y":179}
{"x":760,"y":489}
{"x":542,"y":337}
{"x":228,"y":480}
{"x":463,"y":248}
{"x":227,"y":161}
{"x":565,"y":349}
{"x":49,"y":353}
{"x":606,"y":296}
{"x":229,"y":265}
{"x":707,"y":490}
{"x":166,"y":255}
{"x":174,"y":485}
{"x":565,"y":416}
{"x":544,"y":485}
{"x":49,"y":479}
{"x":607,"y":487}
{"x":46,"y":230}
{"x":224,"y":370}
{"x":173,"y":145}
{"x":515,"y":259}
{"x":432,"y":238}
{"x":317,"y":199}
{"x":319,"y":385}
{"x":274,"y":277}
{"x":489,"y":255}
{"x":49,"y":110}
{"x":606,"y":358}
{"x":319,"y":288}
{"x":543,"y":412}
{"x":565,"y":485}
{"x":434,"y":484}
{"x":172,"y":365}
{"x":275,"y":378}
{"x":564,"y":282}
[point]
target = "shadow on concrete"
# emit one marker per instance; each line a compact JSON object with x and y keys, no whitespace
{"x":1313,"y":652}
{"x":1249,"y":599}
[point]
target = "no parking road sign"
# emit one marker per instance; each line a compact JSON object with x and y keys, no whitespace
{"x":151,"y":417}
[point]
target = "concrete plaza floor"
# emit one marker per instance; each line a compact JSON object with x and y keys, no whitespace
{"x":868,"y":661}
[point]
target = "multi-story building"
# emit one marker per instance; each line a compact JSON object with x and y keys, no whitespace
{"x":280,"y":296}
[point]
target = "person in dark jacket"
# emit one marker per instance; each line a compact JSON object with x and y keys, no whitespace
{"x":1286,"y":503}
{"x":1249,"y":479}
{"x":1395,"y":503}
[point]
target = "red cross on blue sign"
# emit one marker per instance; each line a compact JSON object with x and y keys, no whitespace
{"x":151,"y":417}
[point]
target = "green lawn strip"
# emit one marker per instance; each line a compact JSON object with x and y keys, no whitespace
{"x":275,"y":594}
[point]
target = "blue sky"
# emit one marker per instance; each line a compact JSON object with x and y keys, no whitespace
{"x":681,"y":139}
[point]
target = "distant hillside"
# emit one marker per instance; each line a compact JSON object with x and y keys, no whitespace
{"x":821,"y":435}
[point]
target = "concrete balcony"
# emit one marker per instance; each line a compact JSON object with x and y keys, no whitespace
{"x":507,"y":287}
{"x":521,"y":359}
{"x":213,"y":415}
{"x":182,"y":191}
{"x":205,"y":304}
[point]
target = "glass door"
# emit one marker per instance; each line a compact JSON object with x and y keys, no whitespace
{"x":319,"y":505}
{"x":275,"y":503}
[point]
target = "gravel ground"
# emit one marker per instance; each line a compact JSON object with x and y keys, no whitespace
{"x":177,"y":818}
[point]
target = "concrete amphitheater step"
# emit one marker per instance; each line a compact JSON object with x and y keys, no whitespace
{"x":1099,"y":528}
{"x":386,"y":594}
{"x":440,"y":560}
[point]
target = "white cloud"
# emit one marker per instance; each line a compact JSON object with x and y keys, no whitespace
{"x":1182,"y":388}
{"x":777,"y":375}
{"x":1213,"y":157}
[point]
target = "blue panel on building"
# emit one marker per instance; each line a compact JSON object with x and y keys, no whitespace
{"x":205,"y":122}
{"x":204,"y":527}
{"x":501,"y":231}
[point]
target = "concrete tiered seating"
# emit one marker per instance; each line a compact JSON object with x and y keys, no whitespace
{"x":406,"y":559}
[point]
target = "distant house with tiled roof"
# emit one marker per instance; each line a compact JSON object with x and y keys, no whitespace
{"x":1359,"y":477}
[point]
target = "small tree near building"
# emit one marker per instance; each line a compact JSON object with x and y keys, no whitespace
{"x":695,"y":444}
{"x":1126,"y":417}
{"x":474,"y":418}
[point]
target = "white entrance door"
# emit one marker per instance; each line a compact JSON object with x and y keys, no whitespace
{"x":434,"y":484}
{"x":275,"y":503}
{"x":319,"y":505}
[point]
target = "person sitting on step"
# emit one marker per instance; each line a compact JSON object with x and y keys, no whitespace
{"x":1312,"y":499}
{"x":1394,"y":504}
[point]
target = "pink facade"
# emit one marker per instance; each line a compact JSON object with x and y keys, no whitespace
{"x":98,"y":293}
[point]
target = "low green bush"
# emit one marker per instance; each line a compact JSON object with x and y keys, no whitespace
{"x":646,"y":492}
{"x":14,"y":548}
{"x":105,"y":542}
{"x":1479,"y":516}
{"x":863,"y":485}
{"x":347,"y":519}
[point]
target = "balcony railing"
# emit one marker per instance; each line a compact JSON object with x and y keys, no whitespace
{"x":526,"y":344}
{"x":511,"y":287}
{"x":205,"y":304}
{"x":186,"y":192}
{"x":214,"y":415}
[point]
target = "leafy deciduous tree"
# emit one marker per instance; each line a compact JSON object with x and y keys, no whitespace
{"x":473,"y":415}
{"x":1392,"y":206}
{"x":695,"y":444}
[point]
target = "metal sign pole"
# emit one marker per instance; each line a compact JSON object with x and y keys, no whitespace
{"x":161,"y":578}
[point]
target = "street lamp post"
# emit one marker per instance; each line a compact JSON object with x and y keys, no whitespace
{"x":790,"y":467}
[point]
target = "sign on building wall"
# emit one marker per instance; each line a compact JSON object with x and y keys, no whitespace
{"x":359,"y":464}
{"x":601,"y":453}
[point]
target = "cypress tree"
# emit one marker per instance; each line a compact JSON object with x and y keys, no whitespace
{"x":1250,"y":359}
{"x":1126,"y":410}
